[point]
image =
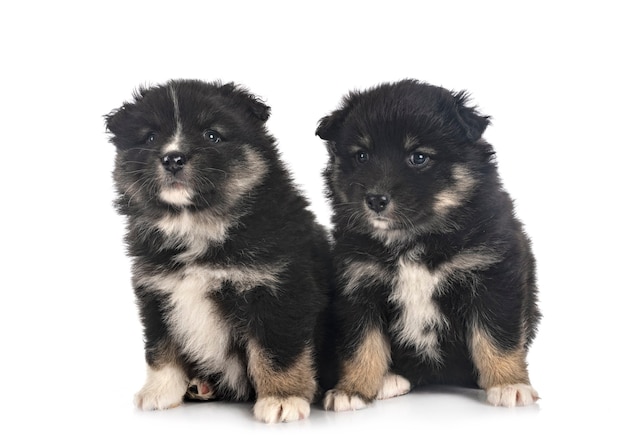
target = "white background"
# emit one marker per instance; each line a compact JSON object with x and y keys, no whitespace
{"x":549,"y":73}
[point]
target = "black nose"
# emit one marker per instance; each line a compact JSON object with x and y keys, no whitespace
{"x":377,"y":202}
{"x":174,"y":161}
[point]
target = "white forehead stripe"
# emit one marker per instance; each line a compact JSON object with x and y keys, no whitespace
{"x":176,"y":108}
{"x":175,"y":142}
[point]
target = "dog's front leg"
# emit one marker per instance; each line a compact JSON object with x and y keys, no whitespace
{"x":363,"y":347}
{"x":284,"y":393}
{"x":165,"y":386}
{"x":502,"y":373}
{"x":166,"y":382}
{"x":361,"y":373}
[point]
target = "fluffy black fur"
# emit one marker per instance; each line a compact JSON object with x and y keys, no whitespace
{"x":230,"y":269}
{"x":429,"y":257}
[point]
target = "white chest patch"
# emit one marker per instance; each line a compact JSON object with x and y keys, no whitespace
{"x":197,"y":326}
{"x":194,"y":231}
{"x":194,"y":319}
{"x":420,"y":319}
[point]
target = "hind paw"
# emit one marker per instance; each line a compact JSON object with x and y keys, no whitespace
{"x":199,"y":390}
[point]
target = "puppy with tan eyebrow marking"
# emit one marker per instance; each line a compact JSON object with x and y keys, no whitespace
{"x":435,"y":274}
{"x":230,"y":269}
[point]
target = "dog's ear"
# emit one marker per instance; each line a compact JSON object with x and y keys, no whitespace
{"x":255,"y":106}
{"x":325,"y":127}
{"x":328,"y":129}
{"x":259,"y":109}
{"x":473,"y":124}
{"x":328,"y":126}
{"x":116,"y":118}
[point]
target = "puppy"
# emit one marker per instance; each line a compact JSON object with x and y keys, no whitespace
{"x":230,"y":268}
{"x":435,"y":275}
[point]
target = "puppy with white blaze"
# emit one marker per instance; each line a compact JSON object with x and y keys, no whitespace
{"x":231,"y":271}
{"x":434,"y":273}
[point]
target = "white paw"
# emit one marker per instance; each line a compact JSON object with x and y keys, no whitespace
{"x":338,"y":400}
{"x":274,"y":409}
{"x":164,"y":389}
{"x":393,"y":386}
{"x":511,"y":395}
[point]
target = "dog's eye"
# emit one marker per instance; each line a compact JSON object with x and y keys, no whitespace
{"x":418,"y":159}
{"x":151,"y":137}
{"x":361,"y":156}
{"x":212,"y":136}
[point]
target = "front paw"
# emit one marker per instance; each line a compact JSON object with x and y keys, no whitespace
{"x":274,"y":409}
{"x":338,"y":400}
{"x":511,"y":395}
{"x":150,"y":399}
{"x":393,"y":386}
{"x":164,"y":389}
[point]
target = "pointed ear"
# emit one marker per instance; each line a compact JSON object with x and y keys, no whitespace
{"x":255,"y":106}
{"x":472,"y":123}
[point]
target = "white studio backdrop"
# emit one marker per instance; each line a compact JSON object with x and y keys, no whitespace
{"x":550,"y":74}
